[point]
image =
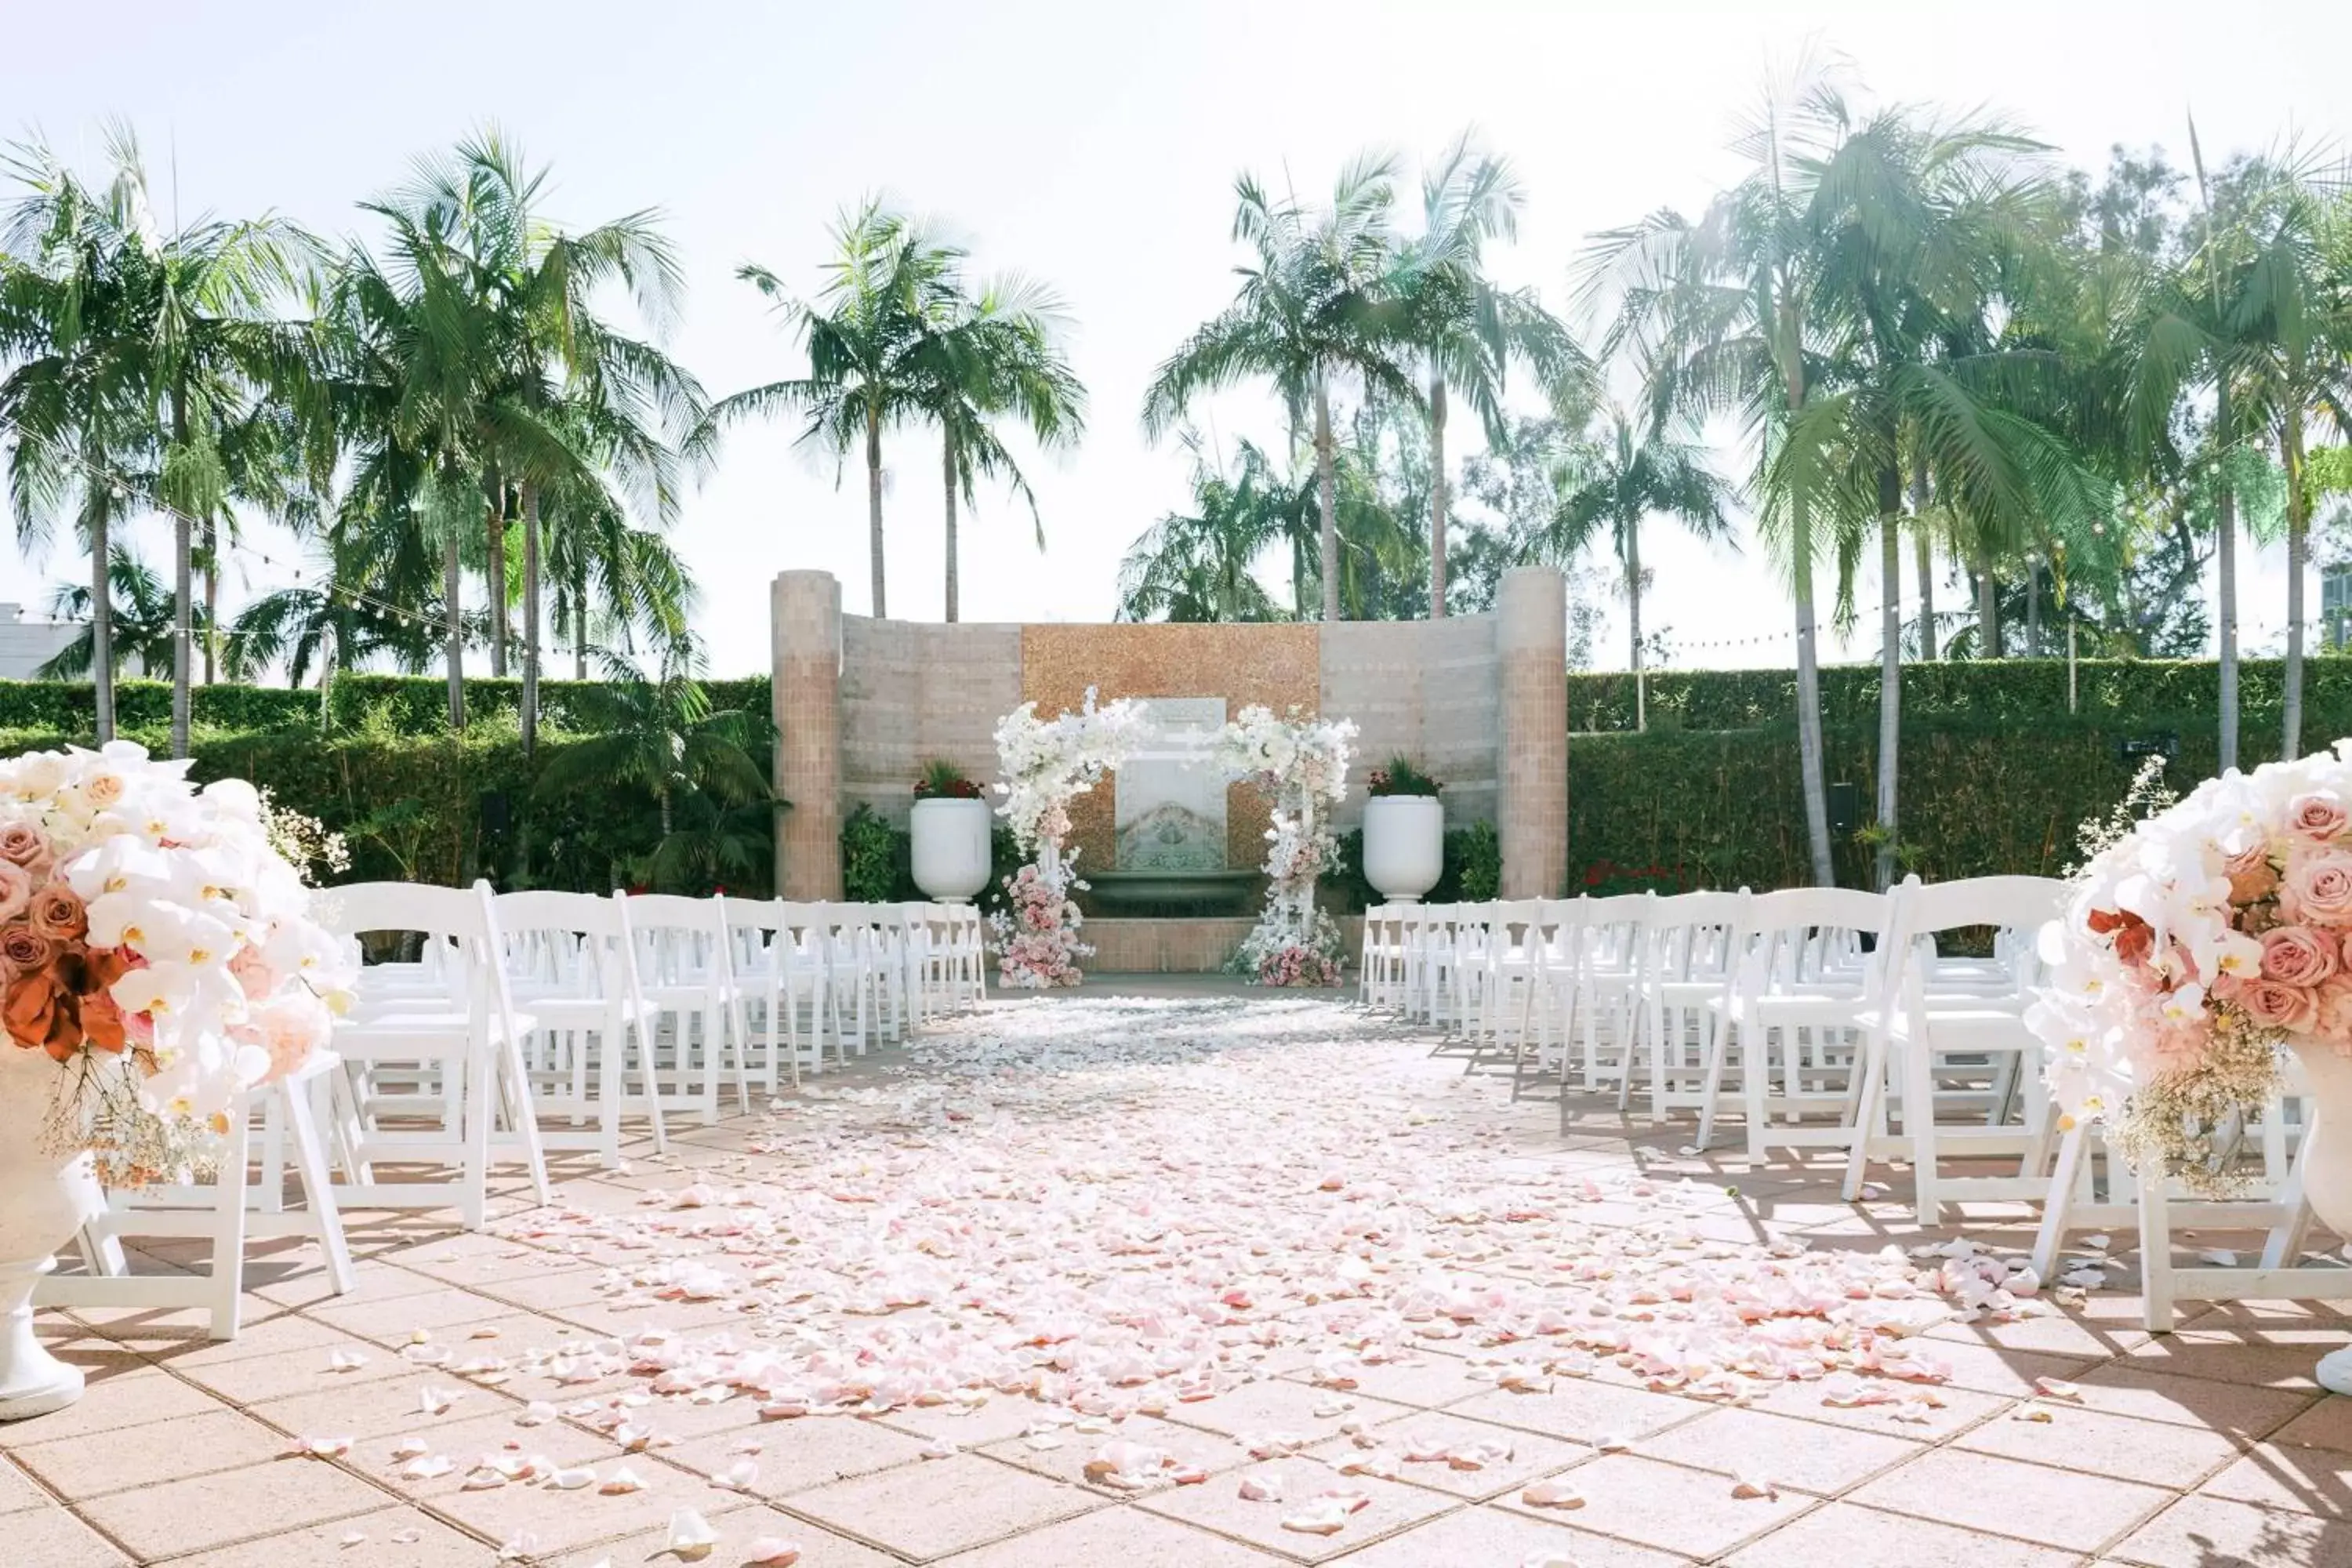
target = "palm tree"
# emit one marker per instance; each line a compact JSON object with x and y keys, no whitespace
{"x":1197,"y":566}
{"x":1317,"y":304}
{"x":1726,"y":313}
{"x":1615,"y":484}
{"x":997,"y":352}
{"x":1468,"y":330}
{"x":2294,"y":304}
{"x":866,"y":335}
{"x":1917,"y":220}
{"x":70,"y":406}
{"x":663,"y":736}
{"x":141,"y":611}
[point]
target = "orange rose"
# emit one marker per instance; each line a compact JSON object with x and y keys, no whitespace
{"x":25,"y":950}
{"x":40,"y":1014}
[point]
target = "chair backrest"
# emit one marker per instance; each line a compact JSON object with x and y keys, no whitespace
{"x":442,"y":916}
{"x":678,"y":940}
{"x":1697,"y":935}
{"x":1924,"y":910}
{"x":573,"y":941}
{"x":1810,"y":934}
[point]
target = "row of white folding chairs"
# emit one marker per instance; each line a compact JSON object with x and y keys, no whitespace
{"x":1768,"y":1005}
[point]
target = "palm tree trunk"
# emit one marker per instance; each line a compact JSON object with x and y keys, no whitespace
{"x":1436,"y":493}
{"x":1326,"y":485}
{"x":2298,"y":529}
{"x":662,"y":799}
{"x":1809,"y":763}
{"x":182,"y":541}
{"x":2225,"y":571}
{"x":1633,"y":620}
{"x":212,"y":595}
{"x":2033,"y":609}
{"x":102,"y":614}
{"x":947,"y":458}
{"x":495,"y":531}
{"x":529,"y":618}
{"x":580,"y":633}
{"x":452,"y":586}
{"x":1890,"y":666}
{"x":1925,"y":548}
{"x":874,"y":503}
{"x":1988,"y":609}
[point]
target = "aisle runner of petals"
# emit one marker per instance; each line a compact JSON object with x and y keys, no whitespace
{"x":1106,"y":1209}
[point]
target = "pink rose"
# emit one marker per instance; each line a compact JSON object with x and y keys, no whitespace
{"x":2319,"y":816}
{"x":2274,"y":1005}
{"x":2298,"y":955}
{"x":25,"y":846}
{"x":2317,"y":887}
{"x":2334,"y":1006}
{"x":15,"y":890}
{"x":2252,"y":875}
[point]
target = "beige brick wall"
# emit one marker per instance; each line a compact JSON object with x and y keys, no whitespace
{"x":913,"y":690}
{"x":1423,"y":690}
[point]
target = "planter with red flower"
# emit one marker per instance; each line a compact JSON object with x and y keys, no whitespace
{"x":950,"y":824}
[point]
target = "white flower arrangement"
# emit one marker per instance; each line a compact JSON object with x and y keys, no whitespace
{"x":2201,"y":942}
{"x":1303,"y":763}
{"x":157,"y":945}
{"x":1047,"y":764}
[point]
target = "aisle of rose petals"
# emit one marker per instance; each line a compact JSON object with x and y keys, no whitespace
{"x":1087,"y":1213}
{"x":1215,"y":1281}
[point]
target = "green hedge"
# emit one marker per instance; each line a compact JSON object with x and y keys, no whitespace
{"x":2139,"y":692}
{"x":380,"y":704}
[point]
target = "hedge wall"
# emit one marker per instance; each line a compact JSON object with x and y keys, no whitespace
{"x":1997,"y":777}
{"x":1997,"y":773}
{"x":383,"y":704}
{"x":2142,"y":692}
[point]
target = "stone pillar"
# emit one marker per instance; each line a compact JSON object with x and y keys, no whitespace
{"x":1532,"y":770}
{"x":804,"y":608}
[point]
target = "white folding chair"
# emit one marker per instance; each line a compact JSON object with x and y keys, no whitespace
{"x":1694,"y":942}
{"x":570,"y":962}
{"x":1803,"y":987}
{"x":683,"y":970}
{"x":448,"y":1057}
{"x":1964,"y":1043}
{"x":228,"y":1211}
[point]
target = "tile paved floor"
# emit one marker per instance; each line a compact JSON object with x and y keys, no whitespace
{"x":2206,"y":1448}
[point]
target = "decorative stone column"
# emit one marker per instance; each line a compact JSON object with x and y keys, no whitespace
{"x":1531,"y":770}
{"x":805,"y":612}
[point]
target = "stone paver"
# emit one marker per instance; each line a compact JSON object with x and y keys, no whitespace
{"x":2205,"y":1448}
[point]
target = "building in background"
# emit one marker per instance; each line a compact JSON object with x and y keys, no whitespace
{"x":25,"y":645}
{"x":2334,"y":604}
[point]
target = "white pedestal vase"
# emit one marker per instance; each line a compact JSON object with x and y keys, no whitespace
{"x":44,"y":1199}
{"x":1404,"y":845}
{"x":951,"y":851}
{"x":2325,"y":1164}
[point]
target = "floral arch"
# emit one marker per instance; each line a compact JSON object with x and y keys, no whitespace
{"x":1301,"y":762}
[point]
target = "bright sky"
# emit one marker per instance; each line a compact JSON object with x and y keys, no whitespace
{"x":1094,"y":146}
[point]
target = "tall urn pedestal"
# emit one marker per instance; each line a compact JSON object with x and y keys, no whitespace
{"x":2327,"y":1167}
{"x":44,"y":1199}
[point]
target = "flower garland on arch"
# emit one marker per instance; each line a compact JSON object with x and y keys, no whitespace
{"x":1048,"y":763}
{"x":1303,"y":765}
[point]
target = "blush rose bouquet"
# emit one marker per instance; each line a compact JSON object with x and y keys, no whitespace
{"x":2203,"y":939}
{"x":156,"y":945}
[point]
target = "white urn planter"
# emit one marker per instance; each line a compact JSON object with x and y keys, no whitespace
{"x":2325,"y":1162}
{"x":951,"y":851}
{"x":44,"y":1199}
{"x":1404,"y":845}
